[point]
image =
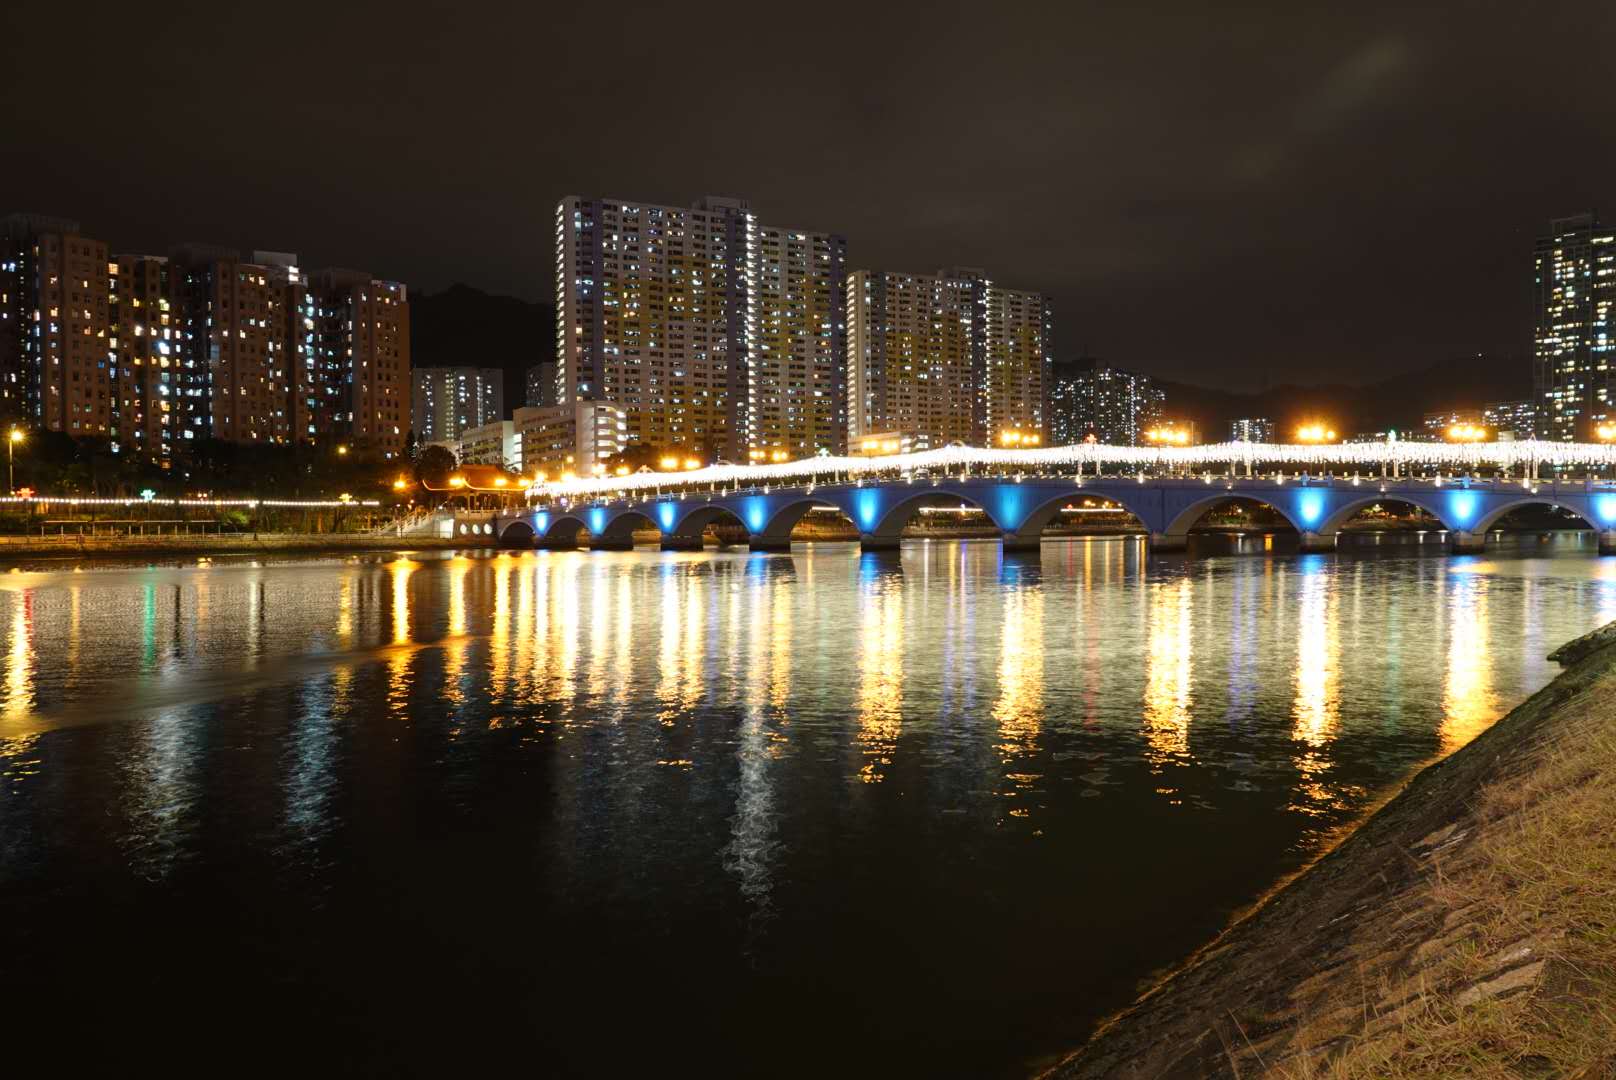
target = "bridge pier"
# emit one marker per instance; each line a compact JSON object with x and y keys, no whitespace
{"x":869,"y":542}
{"x":1025,"y":544}
{"x":1461,"y":542}
{"x":1607,"y":542}
{"x":1317,"y":542}
{"x":674,"y":542}
{"x":1169,"y":541}
{"x":769,"y":543}
{"x":611,"y":543}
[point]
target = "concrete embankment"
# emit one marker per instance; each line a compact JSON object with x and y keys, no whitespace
{"x":1467,"y":928}
{"x":71,"y":544}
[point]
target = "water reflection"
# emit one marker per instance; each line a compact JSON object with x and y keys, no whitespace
{"x":880,"y":686}
{"x":649,"y":755}
{"x":1469,"y":704}
{"x":1317,"y":711}
{"x":1169,"y":668}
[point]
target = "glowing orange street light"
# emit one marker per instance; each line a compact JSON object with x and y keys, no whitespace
{"x":622,"y":470}
{"x":1467,"y":433}
{"x":692,"y":463}
{"x":1315,"y":433}
{"x":400,"y":484}
{"x":669,"y":463}
{"x":1606,"y":432}
{"x":457,"y":481}
{"x":1172,"y":436}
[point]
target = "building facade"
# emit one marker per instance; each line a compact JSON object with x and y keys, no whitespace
{"x":57,"y":361}
{"x":446,"y":401}
{"x":493,"y":443}
{"x":1014,"y":383}
{"x":703,"y":326}
{"x":541,"y":385}
{"x":1091,"y":399}
{"x":795,"y":374}
{"x":1574,"y":327}
{"x":1254,"y":429}
{"x":576,"y":438}
{"x":948,"y":357}
{"x":155,"y":353}
{"x":1511,"y":419}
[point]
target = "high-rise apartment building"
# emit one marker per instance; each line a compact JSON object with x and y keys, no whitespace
{"x":702,"y":325}
{"x":56,"y":357}
{"x":149,"y":341}
{"x":448,"y":400}
{"x":1016,"y":369}
{"x":947,"y":357}
{"x":242,"y":340}
{"x":651,"y":313}
{"x":1574,"y":327}
{"x":154,"y":353}
{"x":363,"y":337}
{"x":1252,"y":429}
{"x":541,"y":384}
{"x":1092,"y":399}
{"x":795,"y":374}
{"x":1511,"y":419}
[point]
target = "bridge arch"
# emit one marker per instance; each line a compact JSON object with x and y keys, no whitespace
{"x":1594,"y":516}
{"x":1033,"y":525}
{"x":623,"y":525}
{"x":692,"y":522}
{"x":1186,"y":518}
{"x":517,"y":533}
{"x":889,"y":522}
{"x":779,"y":524}
{"x":556,"y":527}
{"x":1349,"y":509}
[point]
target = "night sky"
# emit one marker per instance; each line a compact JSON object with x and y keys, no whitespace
{"x":1224,"y":193}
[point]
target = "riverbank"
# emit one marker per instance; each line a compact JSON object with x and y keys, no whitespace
{"x":73,"y":544}
{"x":1466,"y":928}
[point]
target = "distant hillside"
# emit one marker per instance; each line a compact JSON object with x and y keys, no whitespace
{"x":466,"y":327}
{"x":1398,"y":402}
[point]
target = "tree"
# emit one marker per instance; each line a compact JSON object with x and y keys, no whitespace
{"x":635,"y":455}
{"x":433,"y":465}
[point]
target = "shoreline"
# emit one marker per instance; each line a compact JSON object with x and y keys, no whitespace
{"x":77,"y":545}
{"x":1401,"y":943}
{"x":74,"y":545}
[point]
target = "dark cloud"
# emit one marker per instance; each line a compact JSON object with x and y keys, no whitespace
{"x":1219,"y":192}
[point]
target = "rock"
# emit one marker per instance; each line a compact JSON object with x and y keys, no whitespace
{"x":1517,"y":979}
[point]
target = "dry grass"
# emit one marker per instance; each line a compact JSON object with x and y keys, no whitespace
{"x":1537,"y":880}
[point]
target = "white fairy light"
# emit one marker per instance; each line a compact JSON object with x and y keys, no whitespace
{"x":1058,"y":460}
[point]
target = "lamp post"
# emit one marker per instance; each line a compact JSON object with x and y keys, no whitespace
{"x":12,"y":440}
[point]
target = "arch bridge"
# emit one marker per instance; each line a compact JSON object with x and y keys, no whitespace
{"x":1020,"y":508}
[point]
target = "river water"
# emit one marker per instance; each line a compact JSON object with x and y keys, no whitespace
{"x":927,"y":812}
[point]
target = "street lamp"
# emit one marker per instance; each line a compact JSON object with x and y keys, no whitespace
{"x":1605,"y":432}
{"x":1315,"y":433}
{"x":11,"y":451}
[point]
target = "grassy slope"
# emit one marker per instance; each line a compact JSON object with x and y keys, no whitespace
{"x":1466,"y":929}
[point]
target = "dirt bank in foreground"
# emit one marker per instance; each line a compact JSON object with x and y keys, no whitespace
{"x":1466,"y":929}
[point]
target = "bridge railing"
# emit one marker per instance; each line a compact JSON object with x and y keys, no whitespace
{"x":1508,"y":462}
